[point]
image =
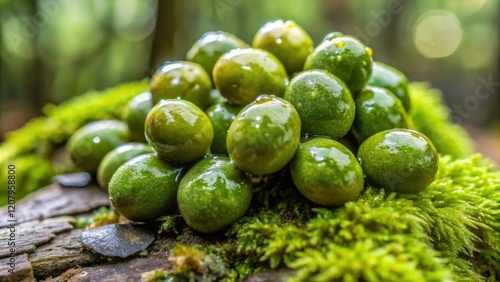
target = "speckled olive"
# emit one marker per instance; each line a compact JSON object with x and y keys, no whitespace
{"x":178,"y":130}
{"x":400,"y":160}
{"x":88,"y":145}
{"x":241,"y":75}
{"x":213,"y":194}
{"x":393,"y":80}
{"x":264,"y":136}
{"x":287,"y":41}
{"x":326,"y":172}
{"x":377,"y":109}
{"x":324,"y":103}
{"x":221,"y":114}
{"x":345,"y":57}
{"x":116,"y":157}
{"x":208,"y":49}
{"x":135,"y":115}
{"x":184,"y":80}
{"x":145,"y":188}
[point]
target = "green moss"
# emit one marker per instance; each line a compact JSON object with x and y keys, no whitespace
{"x":30,"y":148}
{"x":104,"y":216}
{"x":31,"y":172}
{"x":157,"y":275}
{"x":169,"y":223}
{"x":194,"y":264}
{"x":448,"y":231}
{"x":100,"y":217}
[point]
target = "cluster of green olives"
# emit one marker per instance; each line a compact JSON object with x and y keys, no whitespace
{"x":230,"y":111}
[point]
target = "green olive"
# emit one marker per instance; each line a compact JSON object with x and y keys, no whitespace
{"x":377,"y":109}
{"x":145,"y":188}
{"x":215,"y":96}
{"x":241,"y":75}
{"x":116,"y":157}
{"x":349,"y":142}
{"x":208,"y":49}
{"x":264,"y":136}
{"x":326,"y":172}
{"x":324,"y":103}
{"x":89,"y":144}
{"x":287,"y":41}
{"x":345,"y":57}
{"x":221,"y":114}
{"x":393,"y":80}
{"x":400,"y":160}
{"x":213,"y":194}
{"x":178,"y":130}
{"x":184,"y":80}
{"x":135,"y":115}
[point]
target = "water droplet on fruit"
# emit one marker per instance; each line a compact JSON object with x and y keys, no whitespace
{"x":339,"y":44}
{"x":263,"y":98}
{"x":369,"y":51}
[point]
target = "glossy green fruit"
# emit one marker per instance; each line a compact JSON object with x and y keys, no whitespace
{"x":350,"y":143}
{"x":345,"y":57}
{"x":400,"y":160}
{"x":324,"y":103}
{"x":88,"y":145}
{"x":135,"y":115}
{"x":377,"y":109}
{"x":221,"y":114}
{"x":332,"y":35}
{"x":145,"y":188}
{"x":208,"y":49}
{"x":213,"y":194}
{"x":179,"y":131}
{"x":241,"y":75}
{"x":264,"y":136}
{"x":326,"y":172}
{"x":184,"y":80}
{"x":393,"y":80}
{"x":287,"y":41}
{"x":215,"y":96}
{"x":116,"y":157}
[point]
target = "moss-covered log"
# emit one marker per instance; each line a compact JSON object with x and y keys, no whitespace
{"x":450,"y":231}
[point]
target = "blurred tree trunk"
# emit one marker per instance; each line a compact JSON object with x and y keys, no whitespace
{"x":22,"y":90}
{"x":38,"y":73}
{"x":163,"y":42}
{"x":339,"y":14}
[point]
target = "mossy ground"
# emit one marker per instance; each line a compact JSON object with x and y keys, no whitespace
{"x":450,"y":231}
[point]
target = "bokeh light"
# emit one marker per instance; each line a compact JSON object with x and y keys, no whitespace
{"x":437,"y":34}
{"x":467,"y":7}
